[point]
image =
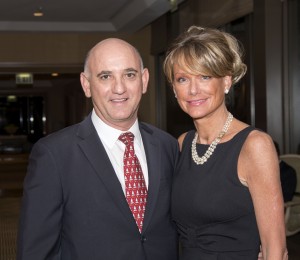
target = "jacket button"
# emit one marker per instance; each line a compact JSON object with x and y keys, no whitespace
{"x":143,"y":239}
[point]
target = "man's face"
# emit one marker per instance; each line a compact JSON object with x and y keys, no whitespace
{"x":115,"y":81}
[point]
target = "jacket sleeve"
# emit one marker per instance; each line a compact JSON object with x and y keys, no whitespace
{"x":41,"y":210}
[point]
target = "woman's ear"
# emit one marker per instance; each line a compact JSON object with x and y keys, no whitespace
{"x":175,"y":94}
{"x":228,"y":83}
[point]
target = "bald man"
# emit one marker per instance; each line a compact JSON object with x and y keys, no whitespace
{"x":75,"y":202}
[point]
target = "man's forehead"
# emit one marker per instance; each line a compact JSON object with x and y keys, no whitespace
{"x":114,"y":60}
{"x":116,"y":64}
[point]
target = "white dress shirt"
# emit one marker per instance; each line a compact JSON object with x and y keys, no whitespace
{"x":115,"y":148}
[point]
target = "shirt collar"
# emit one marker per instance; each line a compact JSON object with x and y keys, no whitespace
{"x":110,"y":135}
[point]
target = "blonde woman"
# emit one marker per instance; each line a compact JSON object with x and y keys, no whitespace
{"x":227,"y":198}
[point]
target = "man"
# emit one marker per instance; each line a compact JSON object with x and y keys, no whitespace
{"x":75,"y":203}
{"x":288,"y":177}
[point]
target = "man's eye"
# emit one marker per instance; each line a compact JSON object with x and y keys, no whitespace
{"x":130,"y":75}
{"x":105,"y":77}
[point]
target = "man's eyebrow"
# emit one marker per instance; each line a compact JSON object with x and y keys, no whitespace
{"x":131,"y":70}
{"x":104,"y":72}
{"x":108,"y":72}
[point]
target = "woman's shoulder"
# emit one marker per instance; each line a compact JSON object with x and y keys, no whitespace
{"x":259,"y":149}
{"x":259,"y":140}
{"x":180,"y":140}
{"x":253,"y":135}
{"x":256,"y":140}
{"x":182,"y":137}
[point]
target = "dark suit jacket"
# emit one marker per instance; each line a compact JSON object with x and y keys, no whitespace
{"x":288,"y":178}
{"x":74,"y":208}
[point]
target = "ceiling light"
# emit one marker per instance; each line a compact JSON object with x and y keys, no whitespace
{"x":174,"y":5}
{"x":54,"y":74}
{"x":38,"y":12}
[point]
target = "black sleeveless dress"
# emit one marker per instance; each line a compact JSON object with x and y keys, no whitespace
{"x":213,"y":211}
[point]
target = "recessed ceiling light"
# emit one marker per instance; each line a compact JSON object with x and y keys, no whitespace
{"x":38,"y":12}
{"x":54,"y":74}
{"x":174,"y":5}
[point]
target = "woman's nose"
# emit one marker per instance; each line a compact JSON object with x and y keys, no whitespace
{"x":193,"y":88}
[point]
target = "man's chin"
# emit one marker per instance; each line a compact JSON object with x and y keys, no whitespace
{"x":124,"y":121}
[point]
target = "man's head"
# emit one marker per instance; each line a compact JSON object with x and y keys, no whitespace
{"x":115,"y":79}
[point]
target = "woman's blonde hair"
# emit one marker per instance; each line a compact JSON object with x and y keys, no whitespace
{"x":208,"y":52}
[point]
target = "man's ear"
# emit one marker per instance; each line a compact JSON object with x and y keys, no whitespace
{"x":85,"y":84}
{"x":145,"y":80}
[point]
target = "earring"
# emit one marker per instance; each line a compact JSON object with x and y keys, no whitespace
{"x":226,"y":90}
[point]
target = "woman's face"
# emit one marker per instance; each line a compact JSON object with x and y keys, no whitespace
{"x":199,"y":95}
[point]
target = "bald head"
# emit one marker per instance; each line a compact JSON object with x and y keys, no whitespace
{"x":110,"y":45}
{"x":115,"y":80}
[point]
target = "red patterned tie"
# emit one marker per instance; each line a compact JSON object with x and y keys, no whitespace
{"x":135,"y":186}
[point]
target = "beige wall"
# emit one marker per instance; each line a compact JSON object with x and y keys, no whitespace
{"x":58,"y":48}
{"x":65,"y":53}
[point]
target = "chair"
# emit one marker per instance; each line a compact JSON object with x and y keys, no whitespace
{"x":292,"y":208}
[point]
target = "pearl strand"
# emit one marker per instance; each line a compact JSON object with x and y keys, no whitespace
{"x":201,"y":160}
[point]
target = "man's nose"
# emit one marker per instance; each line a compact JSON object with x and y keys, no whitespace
{"x":119,"y":85}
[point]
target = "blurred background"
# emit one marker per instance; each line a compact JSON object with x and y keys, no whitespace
{"x":43,"y":46}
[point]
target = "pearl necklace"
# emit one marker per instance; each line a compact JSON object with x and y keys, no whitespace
{"x":201,"y":160}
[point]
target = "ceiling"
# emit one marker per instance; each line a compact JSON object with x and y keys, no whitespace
{"x":81,"y":16}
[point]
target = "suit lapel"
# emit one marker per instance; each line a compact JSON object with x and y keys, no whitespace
{"x":94,"y":151}
{"x":152,"y":150}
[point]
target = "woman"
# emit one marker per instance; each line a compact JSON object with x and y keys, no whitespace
{"x":227,"y":198}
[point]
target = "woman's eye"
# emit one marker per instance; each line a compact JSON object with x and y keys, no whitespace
{"x":205,"y":77}
{"x":181,"y":80}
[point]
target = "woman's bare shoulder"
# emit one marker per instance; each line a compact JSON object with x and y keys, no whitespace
{"x":181,"y":138}
{"x":259,"y":141}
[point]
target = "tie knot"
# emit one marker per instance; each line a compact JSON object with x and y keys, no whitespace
{"x":126,"y":138}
